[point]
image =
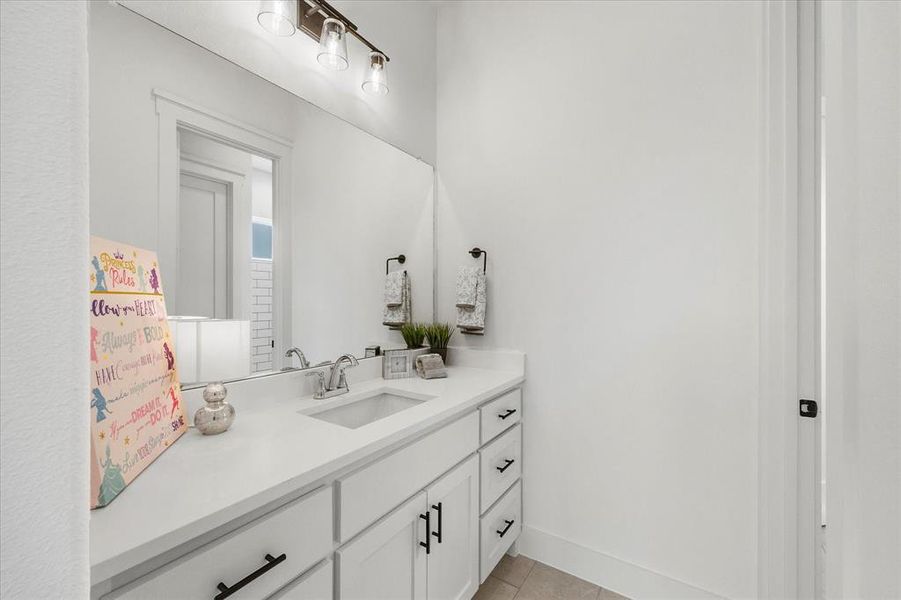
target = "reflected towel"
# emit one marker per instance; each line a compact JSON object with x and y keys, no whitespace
{"x":395,"y":316}
{"x":394,"y":289}
{"x":472,"y":320}
{"x":467,"y":281}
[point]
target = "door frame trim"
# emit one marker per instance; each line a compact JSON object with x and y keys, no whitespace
{"x":777,"y":518}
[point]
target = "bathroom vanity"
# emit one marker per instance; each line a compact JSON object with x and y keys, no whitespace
{"x":396,"y":489}
{"x":308,"y":498}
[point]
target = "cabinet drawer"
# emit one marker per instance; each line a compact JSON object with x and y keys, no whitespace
{"x":499,"y":529}
{"x":301,"y":531}
{"x":374,"y":490}
{"x":500,"y":414}
{"x":500,"y":466}
{"x":313,"y":585}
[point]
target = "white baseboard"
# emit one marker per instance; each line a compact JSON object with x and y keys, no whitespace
{"x":604,"y":570}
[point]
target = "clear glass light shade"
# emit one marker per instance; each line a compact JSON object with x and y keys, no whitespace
{"x":376,"y":82}
{"x":333,"y":45}
{"x":278,"y":16}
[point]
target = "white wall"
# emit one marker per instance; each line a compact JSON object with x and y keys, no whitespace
{"x":405,"y":31}
{"x":384,"y":208}
{"x":862,"y":303}
{"x":44,"y":325}
{"x":607,"y":155}
{"x":356,"y":199}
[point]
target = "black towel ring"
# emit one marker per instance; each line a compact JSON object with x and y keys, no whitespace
{"x":399,"y":258}
{"x":476,"y":253}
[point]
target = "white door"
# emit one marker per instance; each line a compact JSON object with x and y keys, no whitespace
{"x":202,"y":250}
{"x":453,"y":565}
{"x":387,"y":560}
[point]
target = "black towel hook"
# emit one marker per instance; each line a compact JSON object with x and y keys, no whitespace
{"x":476,"y":253}
{"x":399,"y":258}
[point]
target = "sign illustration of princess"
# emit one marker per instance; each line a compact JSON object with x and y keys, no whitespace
{"x":170,"y":358}
{"x":174,"y":401}
{"x":154,"y":281}
{"x":141,"y":279}
{"x":99,"y":402}
{"x":112,"y":483}
{"x":94,"y":334}
{"x":99,"y":275}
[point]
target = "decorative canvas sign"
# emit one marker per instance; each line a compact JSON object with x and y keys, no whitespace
{"x":136,"y":407}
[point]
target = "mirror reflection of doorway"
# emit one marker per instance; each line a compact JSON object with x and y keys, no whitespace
{"x":224,"y":240}
{"x":262,"y":325}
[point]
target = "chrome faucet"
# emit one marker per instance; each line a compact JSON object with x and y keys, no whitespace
{"x":337,"y":381}
{"x":304,"y":363}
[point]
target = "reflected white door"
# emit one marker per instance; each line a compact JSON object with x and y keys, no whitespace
{"x":202,"y":248}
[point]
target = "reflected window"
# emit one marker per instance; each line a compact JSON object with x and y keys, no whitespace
{"x":262,"y":238}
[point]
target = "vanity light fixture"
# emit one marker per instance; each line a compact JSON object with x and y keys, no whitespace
{"x":278,"y":17}
{"x":376,"y":82}
{"x":322,"y":22}
{"x":333,"y":45}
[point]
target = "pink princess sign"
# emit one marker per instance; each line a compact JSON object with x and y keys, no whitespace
{"x":136,"y":408}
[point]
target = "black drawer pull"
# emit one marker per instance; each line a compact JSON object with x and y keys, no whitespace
{"x":427,"y":544}
{"x":225,"y":591}
{"x":506,"y":466}
{"x":440,"y":510}
{"x":509,"y":412}
{"x":506,"y":529}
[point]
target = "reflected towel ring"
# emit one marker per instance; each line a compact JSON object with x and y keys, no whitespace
{"x":476,"y":253}
{"x":400,"y":258}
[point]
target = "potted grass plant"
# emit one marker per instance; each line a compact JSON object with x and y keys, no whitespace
{"x":413,"y":334}
{"x":439,"y":335}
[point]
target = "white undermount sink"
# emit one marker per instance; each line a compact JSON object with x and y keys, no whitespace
{"x":355,"y":411}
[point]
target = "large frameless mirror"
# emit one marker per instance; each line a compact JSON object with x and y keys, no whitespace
{"x":272,"y":218}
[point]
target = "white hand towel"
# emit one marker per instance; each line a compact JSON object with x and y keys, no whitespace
{"x":467,"y":280}
{"x":395,"y":316}
{"x":394,"y":288}
{"x":472,"y":320}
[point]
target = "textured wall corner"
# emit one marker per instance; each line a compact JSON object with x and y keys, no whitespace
{"x":44,"y":324}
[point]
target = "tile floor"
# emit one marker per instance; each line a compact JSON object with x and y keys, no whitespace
{"x":522,"y":578}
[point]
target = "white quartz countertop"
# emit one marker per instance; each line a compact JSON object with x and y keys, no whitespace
{"x":203,"y":482}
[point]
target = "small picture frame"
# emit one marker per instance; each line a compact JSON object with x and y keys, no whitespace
{"x":400,"y":364}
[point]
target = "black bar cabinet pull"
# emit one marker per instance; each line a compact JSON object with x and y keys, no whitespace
{"x":509,"y":412}
{"x":507,"y":463}
{"x":427,"y":544}
{"x":506,"y":529}
{"x":437,"y":534}
{"x":225,"y":591}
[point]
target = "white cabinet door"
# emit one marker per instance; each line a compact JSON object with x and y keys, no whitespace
{"x":453,"y":564}
{"x":387,"y":561}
